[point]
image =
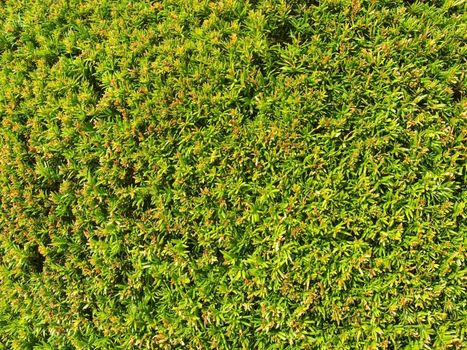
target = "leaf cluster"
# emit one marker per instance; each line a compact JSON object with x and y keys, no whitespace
{"x":233,"y":174}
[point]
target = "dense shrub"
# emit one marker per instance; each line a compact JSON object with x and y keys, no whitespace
{"x":233,"y":174}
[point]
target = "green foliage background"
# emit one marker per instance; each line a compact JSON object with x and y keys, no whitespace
{"x":265,"y":174}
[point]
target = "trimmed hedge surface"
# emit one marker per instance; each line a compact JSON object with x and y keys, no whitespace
{"x":269,"y":174}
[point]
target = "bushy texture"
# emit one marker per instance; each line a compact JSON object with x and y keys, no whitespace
{"x":269,"y":174}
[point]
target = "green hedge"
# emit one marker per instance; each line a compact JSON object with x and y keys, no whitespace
{"x":271,"y":174}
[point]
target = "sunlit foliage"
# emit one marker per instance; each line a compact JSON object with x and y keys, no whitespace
{"x":270,"y":174}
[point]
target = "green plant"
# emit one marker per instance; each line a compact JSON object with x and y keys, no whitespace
{"x":232,"y":174}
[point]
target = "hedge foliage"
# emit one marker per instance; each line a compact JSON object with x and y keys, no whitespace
{"x":271,"y":174}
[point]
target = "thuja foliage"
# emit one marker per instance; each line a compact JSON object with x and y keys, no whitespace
{"x":269,"y":174}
